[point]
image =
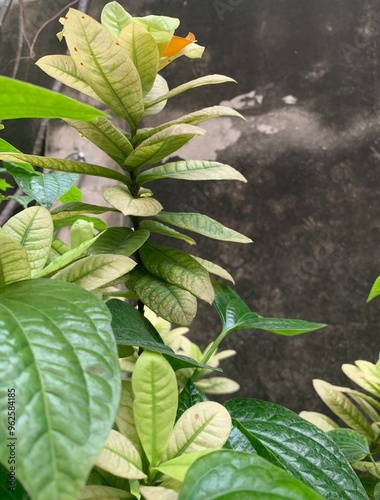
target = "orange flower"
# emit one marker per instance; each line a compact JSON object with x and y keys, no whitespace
{"x":177,"y":44}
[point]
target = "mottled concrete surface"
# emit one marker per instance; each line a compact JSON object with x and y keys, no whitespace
{"x":308,"y":85}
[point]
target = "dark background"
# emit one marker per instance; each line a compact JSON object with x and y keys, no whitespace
{"x":310,"y":150}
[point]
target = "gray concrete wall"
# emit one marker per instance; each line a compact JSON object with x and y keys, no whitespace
{"x":308,"y":85}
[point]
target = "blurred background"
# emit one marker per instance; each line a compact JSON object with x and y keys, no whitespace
{"x":308,"y":85}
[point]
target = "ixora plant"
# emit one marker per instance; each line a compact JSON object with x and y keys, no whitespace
{"x":71,"y":426}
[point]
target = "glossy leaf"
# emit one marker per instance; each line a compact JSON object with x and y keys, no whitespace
{"x":78,"y":167}
{"x":213,"y":268}
{"x":188,"y":397}
{"x":168,"y":301}
{"x":121,"y":198}
{"x":33,"y":229}
{"x":192,"y":84}
{"x":352,"y":444}
{"x":160,"y":145}
{"x":204,"y":426}
{"x":202,"y":224}
{"x":237,"y":475}
{"x":142,"y":49}
{"x":96,"y":271}
{"x":343,"y":408}
{"x":115,"y":18}
{"x":155,"y":405}
{"x":105,"y":66}
{"x":120,"y":457}
{"x":62,"y":68}
{"x":177,"y":268}
{"x":125,"y":419}
{"x":191,"y":171}
{"x":106,"y":136}
{"x":14,"y":262}
{"x":303,"y":450}
{"x":236,"y":315}
{"x":132,"y":328}
{"x":24,"y":100}
{"x":62,"y":364}
{"x":157,"y":227}
{"x":190,"y":119}
{"x":119,"y":240}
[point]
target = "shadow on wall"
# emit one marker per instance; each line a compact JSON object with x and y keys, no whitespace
{"x":308,"y":85}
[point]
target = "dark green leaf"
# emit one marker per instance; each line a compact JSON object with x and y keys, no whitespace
{"x":354,"y":446}
{"x":235,"y":475}
{"x":132,"y":328}
{"x":188,"y":397}
{"x":10,"y":490}
{"x":303,"y":450}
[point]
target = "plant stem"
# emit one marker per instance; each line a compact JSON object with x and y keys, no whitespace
{"x":208,"y":355}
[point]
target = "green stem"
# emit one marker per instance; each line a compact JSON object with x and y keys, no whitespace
{"x":375,"y":465}
{"x":209,"y":354}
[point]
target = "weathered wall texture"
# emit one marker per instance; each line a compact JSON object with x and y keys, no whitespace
{"x":308,"y":76}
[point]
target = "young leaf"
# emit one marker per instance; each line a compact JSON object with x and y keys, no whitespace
{"x":96,"y":271}
{"x":191,"y":119}
{"x":177,"y":268}
{"x":106,"y":136}
{"x":160,"y":88}
{"x":191,"y":171}
{"x":72,"y":195}
{"x":120,"y":197}
{"x":365,"y":374}
{"x":63,"y":366}
{"x":105,"y":66}
{"x":155,"y":405}
{"x":78,"y":167}
{"x":218,"y":385}
{"x":344,"y":408}
{"x":114,"y":17}
{"x":142,"y":49}
{"x":119,"y":240}
{"x":14,"y":262}
{"x":62,"y":68}
{"x":157,"y":227}
{"x":160,"y":145}
{"x":236,"y":475}
{"x":80,"y":232}
{"x":204,"y":426}
{"x":198,"y":82}
{"x":120,"y":457}
{"x":202,"y":224}
{"x":375,"y":290}
{"x":352,"y":444}
{"x":24,"y":100}
{"x":33,"y":229}
{"x":303,"y":450}
{"x":168,"y":301}
{"x":177,"y":467}
{"x":213,"y":268}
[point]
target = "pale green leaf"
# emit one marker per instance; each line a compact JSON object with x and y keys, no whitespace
{"x":120,"y":457}
{"x":95,"y":492}
{"x":343,"y":408}
{"x":59,"y":246}
{"x":96,"y":270}
{"x":155,"y":405}
{"x":157,"y":227}
{"x":160,"y":145}
{"x":191,"y":119}
{"x":365,"y":375}
{"x":168,"y":301}
{"x":14,"y":263}
{"x":375,"y":290}
{"x":73,"y":194}
{"x":177,"y":268}
{"x":177,"y":467}
{"x":121,"y":198}
{"x":213,"y":268}
{"x":75,"y":209}
{"x":59,"y":354}
{"x":204,"y":426}
{"x":24,"y":100}
{"x":78,"y":167}
{"x":159,"y":89}
{"x":318,"y":419}
{"x":105,"y":66}
{"x":125,"y":420}
{"x":191,"y":171}
{"x":142,"y":49}
{"x":98,"y":224}
{"x":33,"y":229}
{"x":202,"y":224}
{"x":120,"y":240}
{"x":80,"y":232}
{"x":106,"y":136}
{"x":217,"y":385}
{"x":114,"y":17}
{"x":158,"y":493}
{"x":198,"y":82}
{"x":62,"y":68}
